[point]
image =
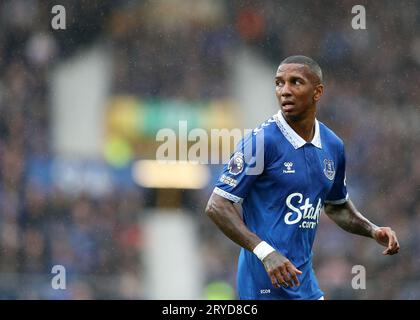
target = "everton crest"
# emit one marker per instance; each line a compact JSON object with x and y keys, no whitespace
{"x":236,"y":164}
{"x":329,"y":170}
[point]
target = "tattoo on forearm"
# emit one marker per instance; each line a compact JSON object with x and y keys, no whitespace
{"x":349,"y":219}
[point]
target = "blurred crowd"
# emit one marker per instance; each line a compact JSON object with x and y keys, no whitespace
{"x":165,"y":51}
{"x":371,"y":100}
{"x":96,"y":239}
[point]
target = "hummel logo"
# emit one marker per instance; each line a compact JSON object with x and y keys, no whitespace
{"x":288,"y":166}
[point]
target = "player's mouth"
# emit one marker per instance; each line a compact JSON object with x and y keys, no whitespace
{"x":287,"y":105}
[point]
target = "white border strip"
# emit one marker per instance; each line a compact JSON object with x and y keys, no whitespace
{"x":227,"y":195}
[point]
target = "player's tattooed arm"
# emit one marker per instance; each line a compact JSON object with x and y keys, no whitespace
{"x":226,"y":215}
{"x":347,"y":217}
{"x":351,"y":220}
{"x":228,"y":218}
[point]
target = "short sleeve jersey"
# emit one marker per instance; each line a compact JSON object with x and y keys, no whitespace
{"x":282,"y":182}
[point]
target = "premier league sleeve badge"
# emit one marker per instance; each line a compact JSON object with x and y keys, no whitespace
{"x":236,"y":164}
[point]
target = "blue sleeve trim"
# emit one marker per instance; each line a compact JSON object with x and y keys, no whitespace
{"x":340,"y":201}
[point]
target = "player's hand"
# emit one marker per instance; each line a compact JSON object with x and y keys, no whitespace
{"x":386,"y":236}
{"x":281,"y":271}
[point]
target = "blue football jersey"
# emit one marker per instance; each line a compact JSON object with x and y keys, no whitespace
{"x":282,"y":182}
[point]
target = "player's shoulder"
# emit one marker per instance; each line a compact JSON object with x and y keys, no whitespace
{"x":265,"y":127}
{"x":329,"y":137}
{"x":265,"y":130}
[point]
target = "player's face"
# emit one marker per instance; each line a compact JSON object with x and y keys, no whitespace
{"x":297,"y":90}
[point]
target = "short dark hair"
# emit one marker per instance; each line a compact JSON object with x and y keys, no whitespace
{"x":311,"y":63}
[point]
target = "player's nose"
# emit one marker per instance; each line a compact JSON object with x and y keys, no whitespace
{"x":285,"y":90}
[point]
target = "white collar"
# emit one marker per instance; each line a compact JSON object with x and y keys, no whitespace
{"x":296,"y":140}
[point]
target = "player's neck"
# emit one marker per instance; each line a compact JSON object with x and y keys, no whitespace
{"x":304,"y":127}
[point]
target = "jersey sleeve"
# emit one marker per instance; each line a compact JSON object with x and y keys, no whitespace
{"x":243,"y":168}
{"x":338,"y":193}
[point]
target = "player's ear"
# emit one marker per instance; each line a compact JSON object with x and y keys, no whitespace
{"x":319,"y":90}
